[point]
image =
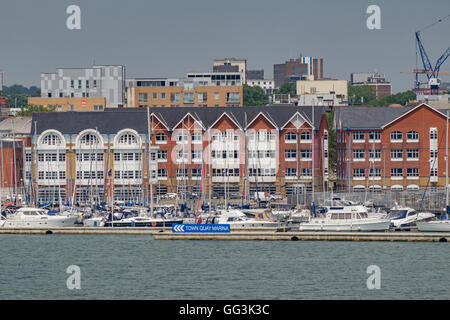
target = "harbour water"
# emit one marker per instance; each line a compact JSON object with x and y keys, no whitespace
{"x":138,"y":267}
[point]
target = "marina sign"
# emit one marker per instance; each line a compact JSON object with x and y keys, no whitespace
{"x":201,"y":228}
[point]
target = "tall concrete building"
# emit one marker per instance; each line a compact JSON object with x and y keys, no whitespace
{"x":302,"y":68}
{"x":95,"y":82}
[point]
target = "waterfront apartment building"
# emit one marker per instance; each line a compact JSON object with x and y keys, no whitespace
{"x":199,"y":89}
{"x":301,"y":68}
{"x":69,"y":104}
{"x":378,"y":82}
{"x":392,"y":148}
{"x":241,"y":150}
{"x":96,"y":82}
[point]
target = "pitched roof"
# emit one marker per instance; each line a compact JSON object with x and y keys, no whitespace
{"x":21,"y":125}
{"x":114,"y":121}
{"x":367,"y":117}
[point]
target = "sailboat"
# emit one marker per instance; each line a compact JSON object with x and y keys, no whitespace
{"x":442,"y":225}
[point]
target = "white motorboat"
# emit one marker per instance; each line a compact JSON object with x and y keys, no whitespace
{"x":406,"y":217}
{"x":236,"y":218}
{"x":141,"y":221}
{"x":434,"y":226}
{"x":345,"y":218}
{"x":94,"y":222}
{"x":35,"y":217}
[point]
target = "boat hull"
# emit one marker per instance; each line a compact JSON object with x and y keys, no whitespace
{"x":54,"y":222}
{"x":356,"y":226}
{"x":157,"y":223}
{"x":433,"y":226}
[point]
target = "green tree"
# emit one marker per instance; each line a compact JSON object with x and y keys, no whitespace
{"x":287,"y":88}
{"x":361,"y":94}
{"x":28,"y":110}
{"x":254,"y":96}
{"x":17,"y":95}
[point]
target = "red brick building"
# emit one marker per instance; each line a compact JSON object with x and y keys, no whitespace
{"x":220,"y":150}
{"x":401,"y":148}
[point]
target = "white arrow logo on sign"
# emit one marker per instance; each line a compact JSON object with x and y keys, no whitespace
{"x":178,"y":228}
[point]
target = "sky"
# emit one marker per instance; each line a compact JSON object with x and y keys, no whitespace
{"x":168,"y":38}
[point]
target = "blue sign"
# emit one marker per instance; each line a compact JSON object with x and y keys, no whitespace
{"x":201,"y":228}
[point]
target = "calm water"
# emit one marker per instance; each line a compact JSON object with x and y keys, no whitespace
{"x":137,"y":267}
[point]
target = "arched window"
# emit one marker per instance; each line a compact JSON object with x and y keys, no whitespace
{"x":127,"y":138}
{"x":89,"y":139}
{"x":51,"y":140}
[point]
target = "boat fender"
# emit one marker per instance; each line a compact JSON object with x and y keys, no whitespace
{"x":294,"y":238}
{"x":443,"y":240}
{"x":49,"y":232}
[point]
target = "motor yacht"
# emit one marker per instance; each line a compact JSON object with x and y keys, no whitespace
{"x":345,"y":218}
{"x":407,"y":217}
{"x":35,"y":217}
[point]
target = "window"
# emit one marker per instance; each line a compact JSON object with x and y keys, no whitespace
{"x":71,"y":83}
{"x":306,"y":172}
{"x":51,"y":140}
{"x":359,"y":154}
{"x":290,"y":137}
{"x":155,"y":95}
{"x":196,"y":172}
{"x":188,"y":97}
{"x":116,"y":156}
{"x":358,"y":136}
{"x":433,"y":154}
{"x":50,"y":157}
{"x":433,"y":134}
{"x":62,"y":157}
{"x":142,"y":97}
{"x":305,"y":154}
{"x":290,"y":154}
{"x":62,"y":175}
{"x":396,"y":155}
{"x":396,"y":172}
{"x":162,"y":155}
{"x":234,"y":97}
{"x":182,"y":173}
{"x":182,"y":137}
{"x":216,"y":96}
{"x":359,"y":173}
{"x":79,"y":84}
{"x":28,"y":157}
{"x":87,"y":84}
{"x":396,"y":136}
{"x":161,"y":138}
{"x":291,"y":172}
{"x":182,"y":155}
{"x":174,"y":97}
{"x":138,"y":156}
{"x":163,"y":96}
{"x":375,"y":154}
{"x":196,"y":155}
{"x":375,"y":172}
{"x":202,"y":97}
{"x":162,"y":173}
{"x":412,"y":154}
{"x":374,"y":136}
{"x":412,"y":172}
{"x":89,"y":140}
{"x":116,"y":174}
{"x":412,"y":136}
{"x":127,"y":139}
{"x":95,"y":83}
{"x":197,"y":137}
{"x":305,"y":136}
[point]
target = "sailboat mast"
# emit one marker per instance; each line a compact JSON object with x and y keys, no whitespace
{"x":446,"y":163}
{"x":150,"y":182}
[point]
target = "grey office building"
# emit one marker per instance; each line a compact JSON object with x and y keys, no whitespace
{"x":94,"y":82}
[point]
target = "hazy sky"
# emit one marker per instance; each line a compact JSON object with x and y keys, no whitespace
{"x":167,"y":38}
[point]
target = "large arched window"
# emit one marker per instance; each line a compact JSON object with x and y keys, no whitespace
{"x":89,"y":139}
{"x":51,"y":139}
{"x":127,"y":139}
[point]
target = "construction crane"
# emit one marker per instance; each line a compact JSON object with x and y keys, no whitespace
{"x":431,"y":72}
